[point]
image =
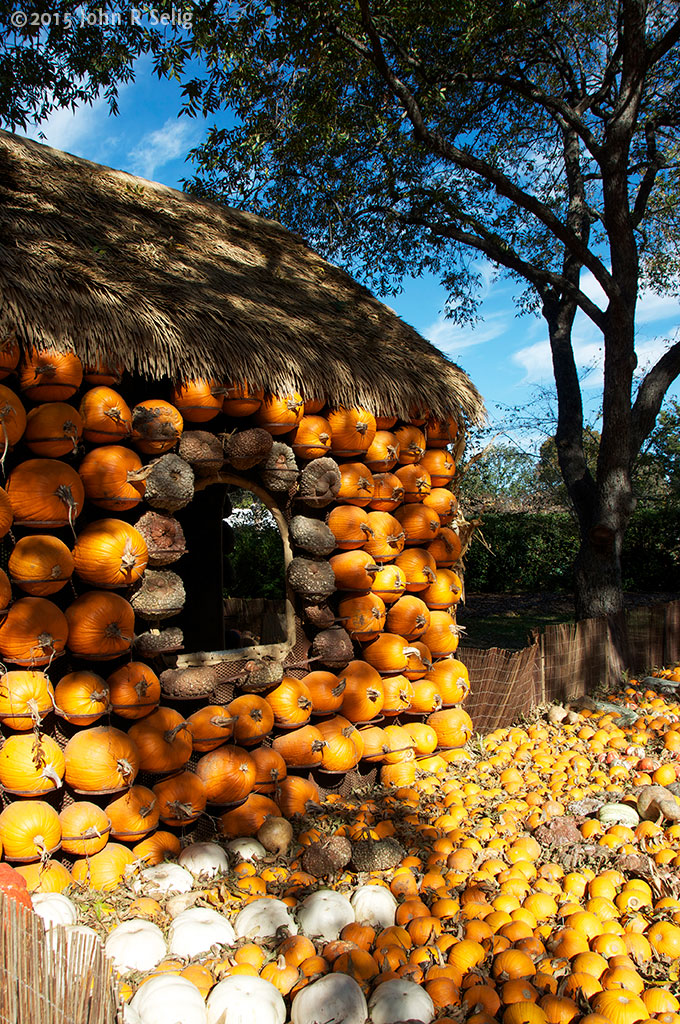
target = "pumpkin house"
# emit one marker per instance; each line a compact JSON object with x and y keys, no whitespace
{"x":194,"y":402}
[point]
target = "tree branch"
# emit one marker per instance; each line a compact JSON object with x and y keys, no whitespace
{"x":651,"y":394}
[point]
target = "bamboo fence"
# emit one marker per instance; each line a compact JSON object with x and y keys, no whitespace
{"x":567,"y":661}
{"x":51,"y":977}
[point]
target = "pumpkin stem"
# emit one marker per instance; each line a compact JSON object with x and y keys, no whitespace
{"x":170,"y":734}
{"x":5,"y":448}
{"x":49,"y":772}
{"x":340,"y":688}
{"x":147,"y":808}
{"x":125,"y":769}
{"x":318,"y":745}
{"x":128,"y":559}
{"x":181,"y":811}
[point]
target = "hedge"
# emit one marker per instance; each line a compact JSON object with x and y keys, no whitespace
{"x":534,"y":551}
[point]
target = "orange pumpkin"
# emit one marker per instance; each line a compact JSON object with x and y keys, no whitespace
{"x":343,"y":744}
{"x":383,"y":454}
{"x":349,"y":525}
{"x":85,"y":828}
{"x":388,"y":653}
{"x":442,"y":635}
{"x":453,"y":727}
{"x":181,"y":798}
{"x":409,"y":617}
{"x":389,"y":583}
{"x":419,"y":660}
{"x":443,"y":502}
{"x":416,"y":482}
{"x":40,"y":565}
{"x":388,"y":538}
{"x":440,"y":465}
{"x":25,"y":699}
{"x":81,"y":697}
{"x":279,"y":414}
{"x":110,"y":553}
{"x":353,"y":570}
{"x":228,"y":774}
{"x":451,"y":676}
{"x":5,"y":592}
{"x":34,"y":632}
{"x":50,"y":376}
{"x":101,"y":760}
{"x":45,"y":493}
{"x":163,"y":740}
{"x":242,"y":400}
{"x":426,"y":696}
{"x":105,"y":870}
{"x":101,"y":372}
{"x":419,"y":523}
{"x":53,"y":429}
{"x":270,"y":769}
{"x":210,"y":727}
{"x":48,"y":876}
{"x":312,"y":437}
{"x":445,"y":591}
{"x":364,"y":695}
{"x":6,"y":513}
{"x":295,"y":793}
{"x":325,"y":691}
{"x":446,"y":548}
{"x":31,"y":766}
{"x":198,"y":400}
{"x":156,"y":426}
{"x":248,"y":817}
{"x":133,"y":815}
{"x":254,"y":719}
{"x":363,"y":617}
{"x":104,"y":472}
{"x":388,"y":492}
{"x":419,"y":568}
{"x":29,"y":831}
{"x":106,"y":416}
{"x":12,"y":419}
{"x":411,"y":444}
{"x":440,"y":433}
{"x":356,"y":484}
{"x":352,"y":431}
{"x":101,"y":625}
{"x":158,"y":847}
{"x":398,"y":691}
{"x":134,"y":690}
{"x":300,"y":748}
{"x":291,"y":703}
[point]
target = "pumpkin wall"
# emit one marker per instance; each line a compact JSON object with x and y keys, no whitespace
{"x":110,"y":750}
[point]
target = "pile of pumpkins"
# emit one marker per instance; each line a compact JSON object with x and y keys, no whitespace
{"x":536,"y":884}
{"x":87,"y":590}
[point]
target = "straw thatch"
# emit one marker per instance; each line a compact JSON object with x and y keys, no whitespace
{"x":117,"y":267}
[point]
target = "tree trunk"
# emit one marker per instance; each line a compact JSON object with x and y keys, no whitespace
{"x":598,"y":584}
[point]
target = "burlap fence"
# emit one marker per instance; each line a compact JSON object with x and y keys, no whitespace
{"x":568,"y":661}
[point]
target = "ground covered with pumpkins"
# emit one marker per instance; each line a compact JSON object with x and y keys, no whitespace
{"x":531,"y":877}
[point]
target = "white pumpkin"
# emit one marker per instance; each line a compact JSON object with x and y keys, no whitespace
{"x":261,"y":919}
{"x":197,"y":930}
{"x":162,"y":878}
{"x":335,"y":998}
{"x":400,"y":1000}
{"x":247,"y":849}
{"x":242,"y":1000}
{"x":204,"y":860}
{"x":325,"y":913}
{"x":130,"y":1016}
{"x":169,"y":999}
{"x":619,"y":814}
{"x":374,"y":905}
{"x":54,"y":908}
{"x":135,"y":945}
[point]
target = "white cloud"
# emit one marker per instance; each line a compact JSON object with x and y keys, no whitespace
{"x":72,"y":131}
{"x":157,"y":148}
{"x":452,"y":338}
{"x":652,"y":307}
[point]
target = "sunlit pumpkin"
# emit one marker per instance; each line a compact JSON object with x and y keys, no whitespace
{"x":279,"y":414}
{"x":301,"y":747}
{"x":343,"y":744}
{"x":133,"y":815}
{"x":227,"y":773}
{"x":134,"y":690}
{"x":253,"y":718}
{"x":110,"y":553}
{"x":50,"y":375}
{"x":416,"y":482}
{"x":325,"y":690}
{"x":210,"y":727}
{"x":363,"y":617}
{"x":33,"y":633}
{"x":312,"y":437}
{"x":101,"y":760}
{"x":352,"y":431}
{"x":100,"y":625}
{"x":25,"y":698}
{"x":181,"y":798}
{"x":53,"y":430}
{"x":85,"y":828}
{"x":356,"y":484}
{"x":291,"y":703}
{"x":349,"y":524}
{"x":29,"y":831}
{"x":30,"y":765}
{"x":104,"y":870}
{"x":104,"y":472}
{"x":163,"y":740}
{"x":106,"y":416}
{"x":388,"y":492}
{"x":81,"y":697}
{"x":411,"y":444}
{"x":40,"y":564}
{"x":382,"y":456}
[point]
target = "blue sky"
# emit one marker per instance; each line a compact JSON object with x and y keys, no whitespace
{"x":507,"y":356}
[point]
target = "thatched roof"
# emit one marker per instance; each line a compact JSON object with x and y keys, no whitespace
{"x":117,"y":267}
